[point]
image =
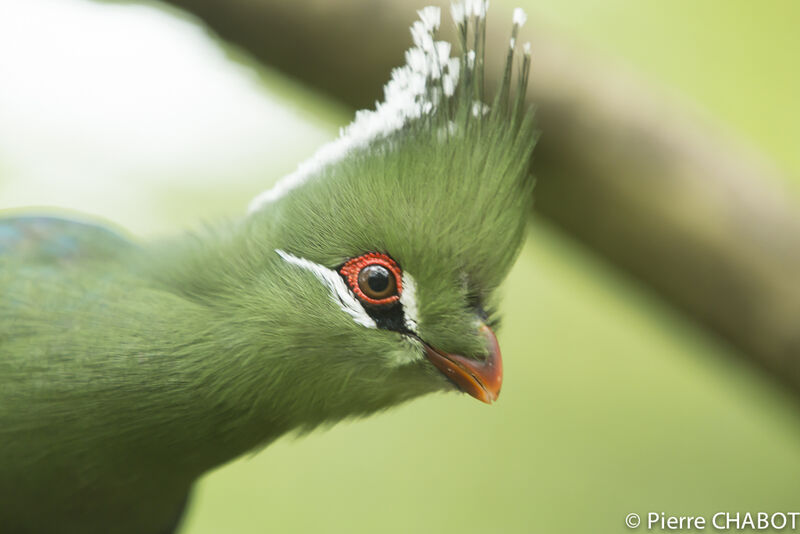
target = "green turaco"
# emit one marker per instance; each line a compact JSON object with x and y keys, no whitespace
{"x":365,"y":278}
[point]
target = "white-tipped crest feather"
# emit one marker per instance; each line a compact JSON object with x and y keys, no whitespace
{"x":519,"y":18}
{"x":415,"y":90}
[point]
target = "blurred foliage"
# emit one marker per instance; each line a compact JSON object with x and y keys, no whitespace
{"x":734,"y":58}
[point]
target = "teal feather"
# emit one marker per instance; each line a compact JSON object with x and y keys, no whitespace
{"x":57,"y":242}
{"x":129,"y":369}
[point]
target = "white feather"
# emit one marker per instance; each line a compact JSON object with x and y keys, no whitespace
{"x":477,"y":8}
{"x":408,"y":298}
{"x":458,"y":12}
{"x":479,"y":108}
{"x":431,"y":17}
{"x":340,"y":293}
{"x":407,"y":96}
{"x":471,"y":59}
{"x":519,"y":17}
{"x":448,"y":86}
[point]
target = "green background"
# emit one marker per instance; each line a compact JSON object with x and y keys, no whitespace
{"x":612,"y":402}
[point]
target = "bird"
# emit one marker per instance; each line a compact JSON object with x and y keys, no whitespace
{"x":364,"y":279}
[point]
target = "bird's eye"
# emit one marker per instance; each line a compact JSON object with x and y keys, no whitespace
{"x":375,"y":278}
{"x":377,"y":282}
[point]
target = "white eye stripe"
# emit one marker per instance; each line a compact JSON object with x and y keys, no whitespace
{"x":340,"y":293}
{"x":347,"y":301}
{"x":408,"y":298}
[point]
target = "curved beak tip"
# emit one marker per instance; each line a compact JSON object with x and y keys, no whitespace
{"x":480,"y":379}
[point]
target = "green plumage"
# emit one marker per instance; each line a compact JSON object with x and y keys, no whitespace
{"x":129,"y":369}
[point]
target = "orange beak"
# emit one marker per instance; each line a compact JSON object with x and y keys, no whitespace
{"x":481,"y":379}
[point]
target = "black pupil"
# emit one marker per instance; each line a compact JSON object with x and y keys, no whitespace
{"x":377,"y":278}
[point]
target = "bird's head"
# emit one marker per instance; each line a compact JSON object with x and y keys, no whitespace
{"x":391,"y":241}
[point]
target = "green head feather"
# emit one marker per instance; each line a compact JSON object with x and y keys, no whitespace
{"x":435,"y":178}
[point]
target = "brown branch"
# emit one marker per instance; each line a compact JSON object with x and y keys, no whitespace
{"x":647,"y":185}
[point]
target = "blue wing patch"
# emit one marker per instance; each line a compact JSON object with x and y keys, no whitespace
{"x":53,"y":240}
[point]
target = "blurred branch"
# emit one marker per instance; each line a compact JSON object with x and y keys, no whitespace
{"x":655,"y":190}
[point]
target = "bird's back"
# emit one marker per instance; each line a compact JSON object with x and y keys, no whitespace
{"x":50,"y":270}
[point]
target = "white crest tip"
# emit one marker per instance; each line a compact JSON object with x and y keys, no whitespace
{"x":479,"y":108}
{"x":483,"y":8}
{"x":431,"y":17}
{"x":458,"y":12}
{"x":429,"y":79}
{"x":474,"y":8}
{"x":519,"y":16}
{"x":471,"y":59}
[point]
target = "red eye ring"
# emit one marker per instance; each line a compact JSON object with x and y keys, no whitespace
{"x":352,"y":269}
